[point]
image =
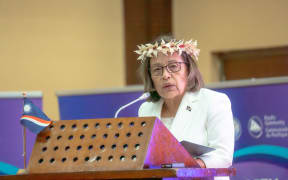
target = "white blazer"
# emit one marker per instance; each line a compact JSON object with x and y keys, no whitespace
{"x":203,"y":117}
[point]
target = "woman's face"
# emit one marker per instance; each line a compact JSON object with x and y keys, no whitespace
{"x":169,"y":85}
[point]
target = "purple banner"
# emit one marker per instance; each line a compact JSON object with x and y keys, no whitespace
{"x":260,"y":119}
{"x":11,"y":132}
{"x":261,"y":131}
{"x":255,"y":170}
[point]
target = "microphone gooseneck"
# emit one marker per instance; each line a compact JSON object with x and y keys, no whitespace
{"x":142,"y":97}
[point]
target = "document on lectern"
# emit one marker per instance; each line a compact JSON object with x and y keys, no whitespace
{"x":195,"y":149}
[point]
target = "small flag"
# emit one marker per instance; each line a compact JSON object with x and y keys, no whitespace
{"x":33,"y":118}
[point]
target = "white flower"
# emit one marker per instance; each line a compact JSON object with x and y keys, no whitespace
{"x":152,"y":50}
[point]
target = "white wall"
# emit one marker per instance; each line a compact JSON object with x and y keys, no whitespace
{"x":230,"y":25}
{"x":59,"y":45}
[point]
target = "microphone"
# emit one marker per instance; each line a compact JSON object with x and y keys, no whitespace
{"x":142,"y":97}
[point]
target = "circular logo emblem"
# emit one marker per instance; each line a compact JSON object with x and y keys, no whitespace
{"x":237,"y":128}
{"x":255,"y":127}
{"x":27,"y":108}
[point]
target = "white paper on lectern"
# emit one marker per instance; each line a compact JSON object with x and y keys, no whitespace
{"x":195,"y":149}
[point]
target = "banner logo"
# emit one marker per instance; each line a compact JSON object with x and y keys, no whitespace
{"x":255,"y":127}
{"x":237,"y":128}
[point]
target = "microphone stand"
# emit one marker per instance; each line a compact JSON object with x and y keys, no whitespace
{"x":142,"y":97}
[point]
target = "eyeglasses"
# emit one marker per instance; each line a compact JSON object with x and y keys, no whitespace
{"x":170,"y":67}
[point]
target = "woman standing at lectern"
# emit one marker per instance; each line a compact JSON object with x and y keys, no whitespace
{"x":178,"y":99}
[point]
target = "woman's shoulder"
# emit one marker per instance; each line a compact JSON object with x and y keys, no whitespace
{"x":147,"y":108}
{"x":212,"y":95}
{"x":147,"y":105}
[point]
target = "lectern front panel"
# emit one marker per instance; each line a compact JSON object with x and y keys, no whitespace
{"x":92,"y":145}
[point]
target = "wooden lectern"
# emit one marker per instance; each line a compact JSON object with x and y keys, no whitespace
{"x":122,"y":148}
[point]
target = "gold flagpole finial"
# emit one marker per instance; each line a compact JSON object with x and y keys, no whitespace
{"x":24,"y":94}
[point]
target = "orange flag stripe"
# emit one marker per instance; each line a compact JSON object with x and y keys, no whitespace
{"x":38,"y":119}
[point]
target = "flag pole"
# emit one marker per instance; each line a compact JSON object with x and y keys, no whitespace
{"x":24,"y":146}
{"x":24,"y":135}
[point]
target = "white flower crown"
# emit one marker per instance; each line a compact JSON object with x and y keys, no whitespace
{"x":151,"y":50}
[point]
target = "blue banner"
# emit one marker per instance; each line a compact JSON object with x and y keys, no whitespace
{"x":260,"y":119}
{"x":261,"y":128}
{"x":11,"y":134}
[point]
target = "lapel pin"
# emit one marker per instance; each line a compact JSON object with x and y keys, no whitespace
{"x":188,"y":108}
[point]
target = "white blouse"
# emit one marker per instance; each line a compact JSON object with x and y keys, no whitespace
{"x":167,"y":121}
{"x":205,"y":118}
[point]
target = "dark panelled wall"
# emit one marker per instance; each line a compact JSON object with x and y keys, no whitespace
{"x":144,"y":21}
